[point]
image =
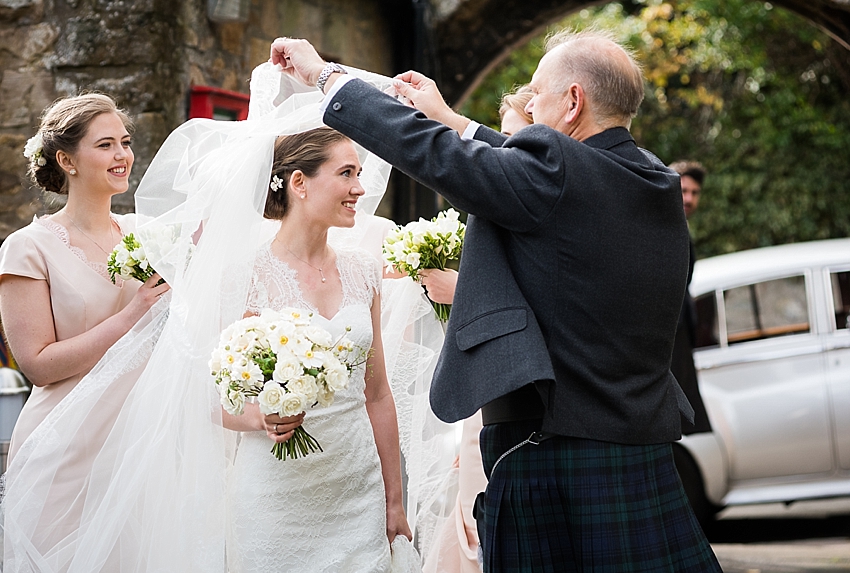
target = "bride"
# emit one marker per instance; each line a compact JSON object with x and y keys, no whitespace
{"x":339,"y":509}
{"x":170,"y":488}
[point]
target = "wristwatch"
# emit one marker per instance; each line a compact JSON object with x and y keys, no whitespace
{"x":330,"y":68}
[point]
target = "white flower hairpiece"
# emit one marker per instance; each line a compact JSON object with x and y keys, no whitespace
{"x":33,"y":150}
{"x":277,"y":184}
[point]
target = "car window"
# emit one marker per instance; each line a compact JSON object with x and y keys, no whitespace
{"x":841,"y":298}
{"x":766,"y":309}
{"x":707,"y":332}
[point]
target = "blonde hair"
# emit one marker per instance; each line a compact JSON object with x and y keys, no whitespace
{"x":63,"y":126}
{"x":516,"y":100}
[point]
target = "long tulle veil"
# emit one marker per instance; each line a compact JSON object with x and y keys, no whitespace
{"x":129,"y":471}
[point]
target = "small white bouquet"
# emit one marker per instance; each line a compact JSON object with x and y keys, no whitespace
{"x":426,"y":245}
{"x":130,"y":259}
{"x":287,"y":363}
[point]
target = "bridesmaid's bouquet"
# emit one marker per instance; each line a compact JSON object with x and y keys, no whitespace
{"x":130,"y":259}
{"x":287,"y":363}
{"x":426,"y":245}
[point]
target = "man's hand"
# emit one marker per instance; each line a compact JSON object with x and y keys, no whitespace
{"x":424,"y":95}
{"x":298,"y":58}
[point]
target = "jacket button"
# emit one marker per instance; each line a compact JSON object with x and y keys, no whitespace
{"x":337,"y":106}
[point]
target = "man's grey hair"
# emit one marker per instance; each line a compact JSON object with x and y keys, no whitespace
{"x":608,"y":72}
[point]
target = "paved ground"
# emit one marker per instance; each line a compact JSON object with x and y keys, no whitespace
{"x":811,"y":537}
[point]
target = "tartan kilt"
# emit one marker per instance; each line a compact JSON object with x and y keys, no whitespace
{"x":571,"y":504}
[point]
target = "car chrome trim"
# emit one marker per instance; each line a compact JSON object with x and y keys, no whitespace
{"x":788,"y":492}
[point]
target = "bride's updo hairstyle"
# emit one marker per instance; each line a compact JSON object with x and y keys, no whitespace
{"x":63,"y":126}
{"x":306,"y":152}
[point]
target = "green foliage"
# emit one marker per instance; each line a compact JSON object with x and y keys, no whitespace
{"x":754,"y":92}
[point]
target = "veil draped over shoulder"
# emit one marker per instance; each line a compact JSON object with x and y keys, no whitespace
{"x":128,"y":473}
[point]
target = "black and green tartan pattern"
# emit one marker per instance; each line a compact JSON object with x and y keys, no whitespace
{"x":571,"y":504}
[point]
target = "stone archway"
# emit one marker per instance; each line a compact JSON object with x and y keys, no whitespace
{"x":472,"y":36}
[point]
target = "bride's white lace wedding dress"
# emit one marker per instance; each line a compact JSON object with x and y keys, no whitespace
{"x":325,"y":511}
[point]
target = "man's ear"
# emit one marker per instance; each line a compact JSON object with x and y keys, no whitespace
{"x":575,"y":102}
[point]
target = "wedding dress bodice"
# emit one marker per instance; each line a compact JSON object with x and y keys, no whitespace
{"x":325,"y":511}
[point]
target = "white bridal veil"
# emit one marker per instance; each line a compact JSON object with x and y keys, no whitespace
{"x":129,"y":471}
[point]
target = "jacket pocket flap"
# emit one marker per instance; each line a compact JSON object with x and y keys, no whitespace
{"x":490,"y":326}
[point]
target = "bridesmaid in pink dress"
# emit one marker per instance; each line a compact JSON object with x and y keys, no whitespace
{"x":60,"y":311}
{"x":456,"y":546}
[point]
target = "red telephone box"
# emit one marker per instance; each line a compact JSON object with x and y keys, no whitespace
{"x":216,"y":103}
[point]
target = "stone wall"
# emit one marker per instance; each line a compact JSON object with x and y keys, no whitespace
{"x":147,"y":54}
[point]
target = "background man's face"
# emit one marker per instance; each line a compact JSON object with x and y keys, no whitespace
{"x":690,"y":194}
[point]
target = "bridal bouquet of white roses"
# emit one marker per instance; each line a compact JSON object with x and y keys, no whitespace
{"x":426,"y":245}
{"x":287,"y":363}
{"x":130,"y":259}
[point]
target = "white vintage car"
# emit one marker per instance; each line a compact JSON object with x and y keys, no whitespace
{"x":773,"y":363}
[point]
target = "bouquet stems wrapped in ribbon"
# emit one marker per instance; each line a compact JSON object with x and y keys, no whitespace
{"x":426,"y":245}
{"x":287,"y":363}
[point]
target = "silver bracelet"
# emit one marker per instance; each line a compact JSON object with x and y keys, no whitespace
{"x":330,"y":68}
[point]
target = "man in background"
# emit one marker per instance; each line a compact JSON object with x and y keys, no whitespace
{"x":691,"y":176}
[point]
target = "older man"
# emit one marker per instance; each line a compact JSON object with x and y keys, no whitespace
{"x":569,"y":291}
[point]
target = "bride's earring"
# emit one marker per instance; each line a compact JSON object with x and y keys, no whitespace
{"x":303,"y":195}
{"x":73,"y":171}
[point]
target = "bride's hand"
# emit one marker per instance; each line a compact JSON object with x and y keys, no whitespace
{"x":280,"y":429}
{"x":397,"y":522}
{"x":298,"y":58}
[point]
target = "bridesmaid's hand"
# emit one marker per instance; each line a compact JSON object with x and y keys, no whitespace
{"x":145,"y":298}
{"x":280,"y":429}
{"x":397,"y":522}
{"x":440,"y":284}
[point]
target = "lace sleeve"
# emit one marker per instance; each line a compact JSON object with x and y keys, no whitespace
{"x":258,"y":296}
{"x":360,"y":274}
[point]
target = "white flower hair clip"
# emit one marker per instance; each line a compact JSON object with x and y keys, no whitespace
{"x":33,"y":150}
{"x":277,"y":184}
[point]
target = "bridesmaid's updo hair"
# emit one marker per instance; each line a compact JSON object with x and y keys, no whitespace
{"x":63,"y":126}
{"x":517,"y":101}
{"x":306,"y":152}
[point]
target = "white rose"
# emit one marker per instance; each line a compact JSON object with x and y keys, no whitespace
{"x":270,"y":316}
{"x":293,"y":404}
{"x":126,"y":273}
{"x":325,"y":396}
{"x":33,"y":146}
{"x":287,"y":368}
{"x":305,"y":386}
{"x":271,"y":399}
{"x":336,"y":376}
{"x":318,"y":335}
{"x":232,"y":400}
{"x":215,"y":362}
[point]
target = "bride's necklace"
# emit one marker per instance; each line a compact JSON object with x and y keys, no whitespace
{"x":321,"y":272}
{"x":111,"y":234}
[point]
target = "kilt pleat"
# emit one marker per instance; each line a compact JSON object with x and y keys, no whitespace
{"x":575,"y":505}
